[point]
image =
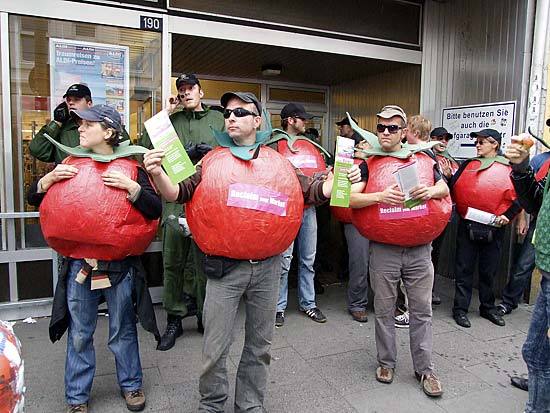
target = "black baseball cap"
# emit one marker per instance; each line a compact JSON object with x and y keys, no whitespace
{"x":488,"y":133}
{"x":247,"y":97}
{"x":187,"y":79}
{"x":345,"y":121}
{"x":100,"y":113}
{"x":295,"y":110}
{"x":78,"y":90}
{"x":441,"y":132}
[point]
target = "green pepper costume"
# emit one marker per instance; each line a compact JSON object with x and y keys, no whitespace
{"x":182,"y":274}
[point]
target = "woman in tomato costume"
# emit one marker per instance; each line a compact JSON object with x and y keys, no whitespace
{"x":482,"y":183}
{"x":99,"y":190}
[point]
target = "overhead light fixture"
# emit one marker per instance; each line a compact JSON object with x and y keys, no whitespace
{"x":272,"y":69}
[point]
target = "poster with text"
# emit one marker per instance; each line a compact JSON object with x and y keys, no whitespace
{"x":102,"y":67}
{"x":460,"y":121}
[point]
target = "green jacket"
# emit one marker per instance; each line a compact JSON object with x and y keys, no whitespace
{"x":193,"y":127}
{"x":67,"y":134}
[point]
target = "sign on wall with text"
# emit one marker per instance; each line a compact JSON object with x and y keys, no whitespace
{"x":104,"y":68}
{"x":460,"y":121}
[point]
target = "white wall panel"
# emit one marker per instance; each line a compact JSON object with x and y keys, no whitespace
{"x":472,"y":53}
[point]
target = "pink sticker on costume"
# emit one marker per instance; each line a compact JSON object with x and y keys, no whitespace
{"x":258,"y":198}
{"x":390,"y":212}
{"x":303,"y":161}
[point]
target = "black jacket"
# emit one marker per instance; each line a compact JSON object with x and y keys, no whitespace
{"x":143,"y":305}
{"x":529,"y":191}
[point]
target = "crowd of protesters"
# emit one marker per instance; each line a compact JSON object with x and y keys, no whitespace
{"x":209,"y":282}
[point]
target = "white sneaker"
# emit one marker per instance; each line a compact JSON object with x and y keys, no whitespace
{"x":402,"y":320}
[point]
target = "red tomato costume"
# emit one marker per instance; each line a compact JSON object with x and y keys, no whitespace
{"x":306,"y":156}
{"x":82,"y":217}
{"x":245,"y":232}
{"x":389,"y":225}
{"x":11,"y":372}
{"x":490,"y":189}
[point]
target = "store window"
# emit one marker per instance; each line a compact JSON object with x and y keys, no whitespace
{"x":121,"y":66}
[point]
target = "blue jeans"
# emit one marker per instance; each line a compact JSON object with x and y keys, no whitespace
{"x":522,"y":271}
{"x":306,"y":242}
{"x":80,"y":360}
{"x":536,"y":351}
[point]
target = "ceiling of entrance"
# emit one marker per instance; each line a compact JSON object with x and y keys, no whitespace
{"x":244,"y":60}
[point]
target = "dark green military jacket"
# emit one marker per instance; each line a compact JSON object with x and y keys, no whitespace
{"x":191,"y":127}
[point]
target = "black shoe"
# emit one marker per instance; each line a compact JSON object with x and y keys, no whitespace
{"x":173,"y":331}
{"x":191,"y":304}
{"x":315,"y":314}
{"x":280,"y":319}
{"x":503,"y":309}
{"x":462,"y":320}
{"x":520,"y":383}
{"x":494,"y":318}
{"x":436,"y":300}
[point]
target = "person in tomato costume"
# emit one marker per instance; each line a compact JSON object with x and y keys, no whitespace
{"x":303,"y":154}
{"x":87,"y":280}
{"x":400,"y":242}
{"x":237,"y":263}
{"x":12,"y":381}
{"x":482,"y":183}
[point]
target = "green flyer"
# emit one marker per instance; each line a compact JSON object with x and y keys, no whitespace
{"x":163,"y":136}
{"x":341,"y":188}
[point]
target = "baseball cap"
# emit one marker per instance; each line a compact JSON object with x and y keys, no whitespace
{"x":78,"y":90}
{"x":345,"y":121}
{"x":100,"y":113}
{"x":295,"y":110}
{"x":389,"y":111}
{"x":247,"y":97}
{"x":491,"y":133}
{"x":187,"y":79}
{"x":441,"y":132}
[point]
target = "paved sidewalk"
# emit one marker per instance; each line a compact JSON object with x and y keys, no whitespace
{"x":316,"y":368}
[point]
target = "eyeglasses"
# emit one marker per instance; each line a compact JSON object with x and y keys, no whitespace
{"x":446,"y":138}
{"x":238,"y":112}
{"x":482,"y":141}
{"x":391,"y":128}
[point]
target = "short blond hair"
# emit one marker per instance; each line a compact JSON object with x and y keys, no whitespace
{"x":420,"y":124}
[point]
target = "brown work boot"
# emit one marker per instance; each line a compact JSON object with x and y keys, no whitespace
{"x":430,"y":384}
{"x":384,"y":374}
{"x":77,"y":408}
{"x":135,"y":400}
{"x":360,"y":316}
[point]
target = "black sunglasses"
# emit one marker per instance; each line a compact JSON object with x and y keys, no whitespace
{"x":238,"y":112}
{"x":443,"y":138}
{"x":391,"y":128}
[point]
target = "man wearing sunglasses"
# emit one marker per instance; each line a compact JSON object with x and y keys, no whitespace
{"x":184,"y":283}
{"x":254,"y":281}
{"x":389,"y":264}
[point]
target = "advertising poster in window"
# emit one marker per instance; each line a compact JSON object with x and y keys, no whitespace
{"x":462,"y":120}
{"x":102,"y":67}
